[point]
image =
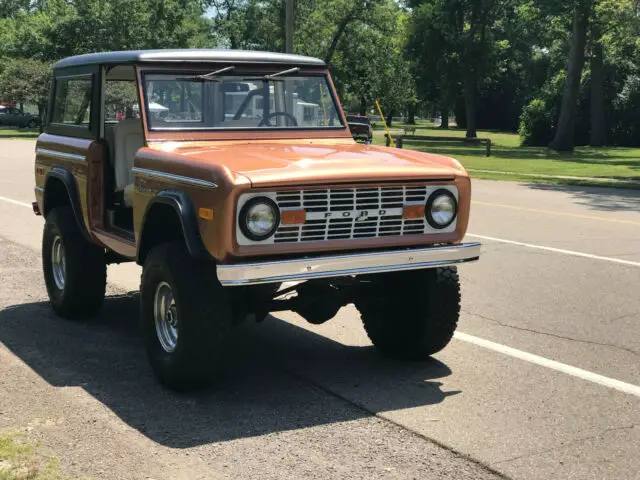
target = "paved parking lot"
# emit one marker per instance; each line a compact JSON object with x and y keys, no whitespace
{"x":542,"y":380}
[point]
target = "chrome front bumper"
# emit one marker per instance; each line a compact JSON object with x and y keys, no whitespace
{"x":345,"y":265}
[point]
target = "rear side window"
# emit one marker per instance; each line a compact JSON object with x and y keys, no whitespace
{"x":72,"y":101}
{"x":120,"y":100}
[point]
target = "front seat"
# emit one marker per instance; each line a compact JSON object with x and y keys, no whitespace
{"x":128,"y":139}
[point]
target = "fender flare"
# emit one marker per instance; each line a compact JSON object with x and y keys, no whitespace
{"x":63,"y":175}
{"x":183,"y":207}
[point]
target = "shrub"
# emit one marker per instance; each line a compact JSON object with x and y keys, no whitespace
{"x":536,"y":127}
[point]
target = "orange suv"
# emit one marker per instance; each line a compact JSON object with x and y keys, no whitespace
{"x":225,"y":174}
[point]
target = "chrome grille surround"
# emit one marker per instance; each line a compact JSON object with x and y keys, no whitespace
{"x":339,"y":213}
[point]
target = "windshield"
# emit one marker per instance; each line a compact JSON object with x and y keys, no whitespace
{"x":189,"y":102}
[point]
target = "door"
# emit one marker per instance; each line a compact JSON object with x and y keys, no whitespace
{"x":13,"y":116}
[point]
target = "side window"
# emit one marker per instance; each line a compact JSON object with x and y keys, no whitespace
{"x":120,"y":100}
{"x":72,"y":101}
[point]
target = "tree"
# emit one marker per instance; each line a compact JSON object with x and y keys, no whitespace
{"x":227,"y":20}
{"x":53,"y":29}
{"x":435,"y":64}
{"x":454,"y":44}
{"x":9,"y":8}
{"x":26,"y":81}
{"x":352,"y":11}
{"x":362,"y":40}
{"x":369,"y":61}
{"x":563,"y":139}
{"x":598,"y":123}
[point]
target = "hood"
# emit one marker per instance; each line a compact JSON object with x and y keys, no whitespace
{"x":277,"y":163}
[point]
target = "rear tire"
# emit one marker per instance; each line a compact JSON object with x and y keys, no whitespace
{"x":411,"y":315}
{"x":75,"y":272}
{"x":186,"y":318}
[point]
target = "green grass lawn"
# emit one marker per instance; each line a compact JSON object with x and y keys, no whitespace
{"x":508,"y":156}
{"x":24,"y":133}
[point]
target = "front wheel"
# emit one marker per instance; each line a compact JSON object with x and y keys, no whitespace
{"x":411,"y":315}
{"x":75,"y":271}
{"x":186,"y":317}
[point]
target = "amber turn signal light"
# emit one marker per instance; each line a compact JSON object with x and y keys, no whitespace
{"x":205,"y":213}
{"x":293,"y":217}
{"x":413,"y":212}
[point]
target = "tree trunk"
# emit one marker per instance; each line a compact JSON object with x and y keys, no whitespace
{"x":470,"y":105}
{"x":363,"y":106}
{"x":598,"y":121}
{"x":563,"y":139}
{"x":342,"y":26}
{"x":444,"y":124}
{"x":412,"y":113}
{"x":390,"y":118}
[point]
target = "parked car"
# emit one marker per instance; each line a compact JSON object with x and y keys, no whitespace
{"x":13,"y":116}
{"x":360,"y":128}
{"x":222,"y":201}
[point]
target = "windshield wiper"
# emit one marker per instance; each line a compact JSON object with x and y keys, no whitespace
{"x":284,"y":72}
{"x":274,"y":76}
{"x":211,"y":76}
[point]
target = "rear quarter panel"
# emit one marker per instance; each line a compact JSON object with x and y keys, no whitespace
{"x":68,"y":153}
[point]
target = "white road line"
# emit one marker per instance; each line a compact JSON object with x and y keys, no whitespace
{"x":552,"y":364}
{"x":15,"y":202}
{"x":557,"y":250}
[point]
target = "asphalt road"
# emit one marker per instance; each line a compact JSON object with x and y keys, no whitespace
{"x":542,"y":380}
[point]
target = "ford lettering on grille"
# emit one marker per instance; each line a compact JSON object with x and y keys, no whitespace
{"x":352,"y":213}
{"x":356,"y":215}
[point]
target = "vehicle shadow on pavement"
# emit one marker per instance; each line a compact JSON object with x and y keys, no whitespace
{"x":282,"y":377}
{"x":597,"y":198}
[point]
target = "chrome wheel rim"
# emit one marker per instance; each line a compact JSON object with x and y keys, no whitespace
{"x":58,"y":263}
{"x":165,"y":313}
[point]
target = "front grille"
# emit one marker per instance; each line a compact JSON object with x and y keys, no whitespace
{"x":335,"y":214}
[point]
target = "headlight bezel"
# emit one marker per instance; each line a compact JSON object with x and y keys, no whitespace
{"x":441,"y":192}
{"x":243,"y":218}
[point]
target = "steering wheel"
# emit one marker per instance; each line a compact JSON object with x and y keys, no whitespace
{"x":265,"y":120}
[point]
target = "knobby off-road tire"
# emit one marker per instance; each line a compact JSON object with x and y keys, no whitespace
{"x":411,"y":315}
{"x":196,"y":306}
{"x":75,"y":272}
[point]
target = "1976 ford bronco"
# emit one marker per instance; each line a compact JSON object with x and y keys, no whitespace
{"x":225,"y":174}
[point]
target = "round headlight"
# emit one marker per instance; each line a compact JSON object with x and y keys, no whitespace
{"x":259,"y":218}
{"x":441,"y":209}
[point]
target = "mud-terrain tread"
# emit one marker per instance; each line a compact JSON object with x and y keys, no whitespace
{"x":412,"y":315}
{"x":205,"y":318}
{"x":86,"y":270}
